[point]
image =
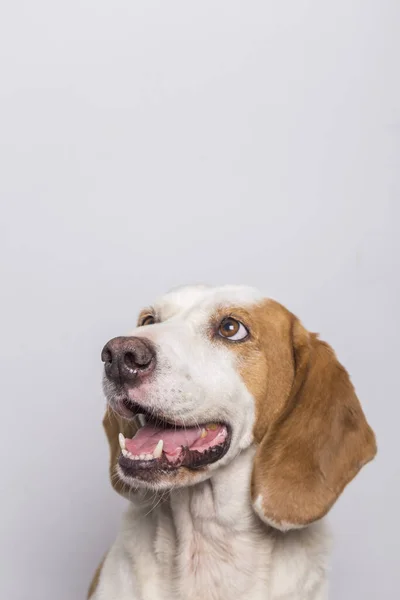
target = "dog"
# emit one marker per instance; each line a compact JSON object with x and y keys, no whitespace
{"x":233,"y":430}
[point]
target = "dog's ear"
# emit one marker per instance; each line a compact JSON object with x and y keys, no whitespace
{"x":113,"y":425}
{"x":318,"y":443}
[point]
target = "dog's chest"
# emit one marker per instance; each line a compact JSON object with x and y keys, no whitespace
{"x":201,"y":556}
{"x":198,"y":544}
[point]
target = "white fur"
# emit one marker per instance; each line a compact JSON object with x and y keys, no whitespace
{"x":206,"y":542}
{"x":282,"y":525}
{"x":204,"y":539}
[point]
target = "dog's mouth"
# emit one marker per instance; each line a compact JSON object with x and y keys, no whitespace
{"x":160,"y":445}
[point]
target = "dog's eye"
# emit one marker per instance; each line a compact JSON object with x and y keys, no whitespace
{"x":148,"y":320}
{"x":232,"y":329}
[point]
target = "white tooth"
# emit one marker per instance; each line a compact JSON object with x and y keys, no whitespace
{"x":129,"y":455}
{"x":121,"y":440}
{"x":125,"y":452}
{"x":158,"y":449}
{"x":142,"y":420}
{"x":142,"y":456}
{"x":149,"y":456}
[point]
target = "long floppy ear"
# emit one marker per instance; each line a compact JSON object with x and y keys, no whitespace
{"x":317,"y":445}
{"x":113,"y":425}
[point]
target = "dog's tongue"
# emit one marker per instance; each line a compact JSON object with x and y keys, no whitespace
{"x":148,"y":437}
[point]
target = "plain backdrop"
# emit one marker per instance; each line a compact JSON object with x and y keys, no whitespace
{"x":149,"y":144}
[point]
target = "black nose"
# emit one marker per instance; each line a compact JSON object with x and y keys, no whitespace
{"x":127,"y":358}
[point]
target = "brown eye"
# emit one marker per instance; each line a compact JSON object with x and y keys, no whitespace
{"x":232,"y":329}
{"x":148,"y":320}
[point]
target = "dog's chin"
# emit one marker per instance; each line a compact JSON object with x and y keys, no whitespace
{"x":159,"y":480}
{"x":165,"y":454}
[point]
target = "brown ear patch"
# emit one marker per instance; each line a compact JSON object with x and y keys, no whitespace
{"x":267,"y":368}
{"x":312,"y":433}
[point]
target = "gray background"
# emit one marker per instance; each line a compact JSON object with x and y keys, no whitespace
{"x":149,"y":144}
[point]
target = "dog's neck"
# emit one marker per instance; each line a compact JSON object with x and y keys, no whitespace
{"x":224,"y":498}
{"x":207,"y":531}
{"x":207,"y":540}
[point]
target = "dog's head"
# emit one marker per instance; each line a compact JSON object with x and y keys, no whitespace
{"x":212,"y":371}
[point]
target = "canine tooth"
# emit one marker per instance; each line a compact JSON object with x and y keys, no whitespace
{"x":121,"y":439}
{"x":203,"y":433}
{"x":158,"y":449}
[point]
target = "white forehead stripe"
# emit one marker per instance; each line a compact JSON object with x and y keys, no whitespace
{"x":188,"y":297}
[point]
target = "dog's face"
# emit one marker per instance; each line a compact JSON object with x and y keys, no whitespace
{"x":211,"y":371}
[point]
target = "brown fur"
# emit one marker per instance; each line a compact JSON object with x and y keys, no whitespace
{"x":265,"y":360}
{"x":312,"y":433}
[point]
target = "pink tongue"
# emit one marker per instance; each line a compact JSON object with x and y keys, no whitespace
{"x":148,"y":437}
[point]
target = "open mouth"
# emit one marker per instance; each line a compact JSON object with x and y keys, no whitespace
{"x":160,"y":445}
